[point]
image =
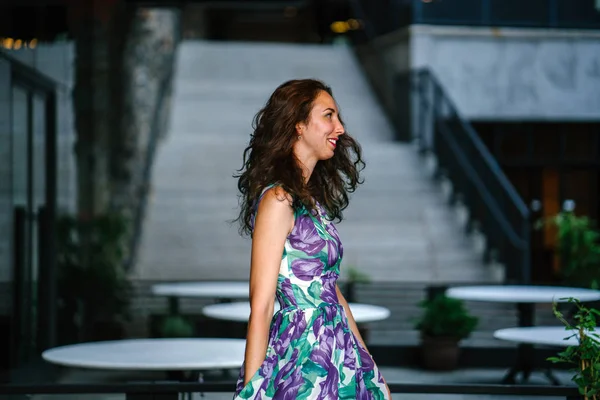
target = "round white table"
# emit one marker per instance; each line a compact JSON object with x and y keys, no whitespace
{"x":555,"y":336}
{"x":538,"y":335}
{"x":151,"y":354}
{"x":525,"y":297}
{"x":221,"y":290}
{"x":216,"y":290}
{"x":521,"y":293}
{"x":240,"y":312}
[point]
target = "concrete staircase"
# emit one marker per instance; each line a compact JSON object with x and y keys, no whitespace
{"x":398,"y":226}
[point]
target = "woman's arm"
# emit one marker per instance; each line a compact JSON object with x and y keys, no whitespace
{"x":351,"y":321}
{"x":354,"y":327}
{"x":274,"y":220}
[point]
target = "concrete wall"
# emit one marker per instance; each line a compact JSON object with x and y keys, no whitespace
{"x":513,"y":73}
{"x":54,"y":60}
{"x":491,"y":73}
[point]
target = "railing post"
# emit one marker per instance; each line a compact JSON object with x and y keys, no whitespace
{"x":434,"y":291}
{"x":419,"y":101}
{"x":526,"y":252}
{"x":552,"y":13}
{"x":486,"y":13}
{"x":417,"y":16}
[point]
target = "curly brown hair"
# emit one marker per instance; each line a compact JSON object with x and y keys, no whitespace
{"x":269,"y":157}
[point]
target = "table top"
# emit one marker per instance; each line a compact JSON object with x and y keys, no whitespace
{"x":540,"y":335}
{"x":521,"y":293}
{"x":240,"y":312}
{"x":219,"y":290}
{"x":151,"y":354}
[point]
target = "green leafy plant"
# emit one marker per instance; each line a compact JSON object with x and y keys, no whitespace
{"x":356,"y":276}
{"x":353,"y":276}
{"x":586,"y":355}
{"x":578,"y":248}
{"x":176,"y":326}
{"x":445,"y":317}
{"x":93,"y":288}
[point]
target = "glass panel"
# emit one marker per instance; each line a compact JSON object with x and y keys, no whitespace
{"x":19,"y":146}
{"x":27,"y":162}
{"x":579,"y":143}
{"x":21,"y":257}
{"x":581,"y":187}
{"x":513,"y":142}
{"x":466,"y":11}
{"x":38,"y":186}
{"x":546,"y":142}
{"x":519,"y":12}
{"x":580,"y":13}
{"x":6,"y":224}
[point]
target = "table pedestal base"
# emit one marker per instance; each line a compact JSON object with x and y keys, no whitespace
{"x":524,"y":365}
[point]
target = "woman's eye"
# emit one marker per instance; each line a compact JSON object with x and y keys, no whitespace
{"x":328,"y":115}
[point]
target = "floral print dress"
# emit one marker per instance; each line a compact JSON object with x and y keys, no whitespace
{"x":311,"y":352}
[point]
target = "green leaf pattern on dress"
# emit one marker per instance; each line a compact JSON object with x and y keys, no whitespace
{"x":311,"y":352}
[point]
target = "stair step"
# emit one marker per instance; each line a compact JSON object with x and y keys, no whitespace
{"x":398,"y":227}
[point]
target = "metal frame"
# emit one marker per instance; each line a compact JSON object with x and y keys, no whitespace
{"x":33,"y":81}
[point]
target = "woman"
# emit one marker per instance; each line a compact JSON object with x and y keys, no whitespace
{"x":298,"y":170}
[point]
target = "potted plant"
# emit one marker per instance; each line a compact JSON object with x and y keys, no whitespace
{"x":578,"y":246}
{"x":586,"y":355}
{"x":353,"y":276}
{"x":92,"y":286}
{"x":443,"y":324}
{"x":176,"y":326}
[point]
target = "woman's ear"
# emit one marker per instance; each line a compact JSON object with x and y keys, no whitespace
{"x":300,"y":128}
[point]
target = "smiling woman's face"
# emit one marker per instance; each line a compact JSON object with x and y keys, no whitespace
{"x":321,"y":132}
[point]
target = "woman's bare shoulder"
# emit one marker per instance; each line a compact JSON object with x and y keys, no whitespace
{"x":276,"y":196}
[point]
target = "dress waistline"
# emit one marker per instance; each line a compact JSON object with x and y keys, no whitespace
{"x":297,"y":307}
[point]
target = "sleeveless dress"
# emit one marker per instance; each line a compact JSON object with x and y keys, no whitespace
{"x":311,"y":352}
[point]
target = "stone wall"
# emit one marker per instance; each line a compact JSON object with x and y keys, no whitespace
{"x":492,"y":73}
{"x":148,"y":62}
{"x":535,"y":74}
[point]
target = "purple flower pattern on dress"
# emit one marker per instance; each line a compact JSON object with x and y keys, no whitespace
{"x":307,"y":269}
{"x":306,"y":238}
{"x":329,"y":295}
{"x":311,"y":329}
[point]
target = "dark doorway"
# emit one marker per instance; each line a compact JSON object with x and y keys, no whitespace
{"x":552,"y":165}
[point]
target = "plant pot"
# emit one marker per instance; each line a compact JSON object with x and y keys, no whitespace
{"x":439,"y":353}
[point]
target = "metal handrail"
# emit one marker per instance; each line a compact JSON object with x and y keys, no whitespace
{"x":475,"y":173}
{"x":506,"y":221}
{"x":486,"y":155}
